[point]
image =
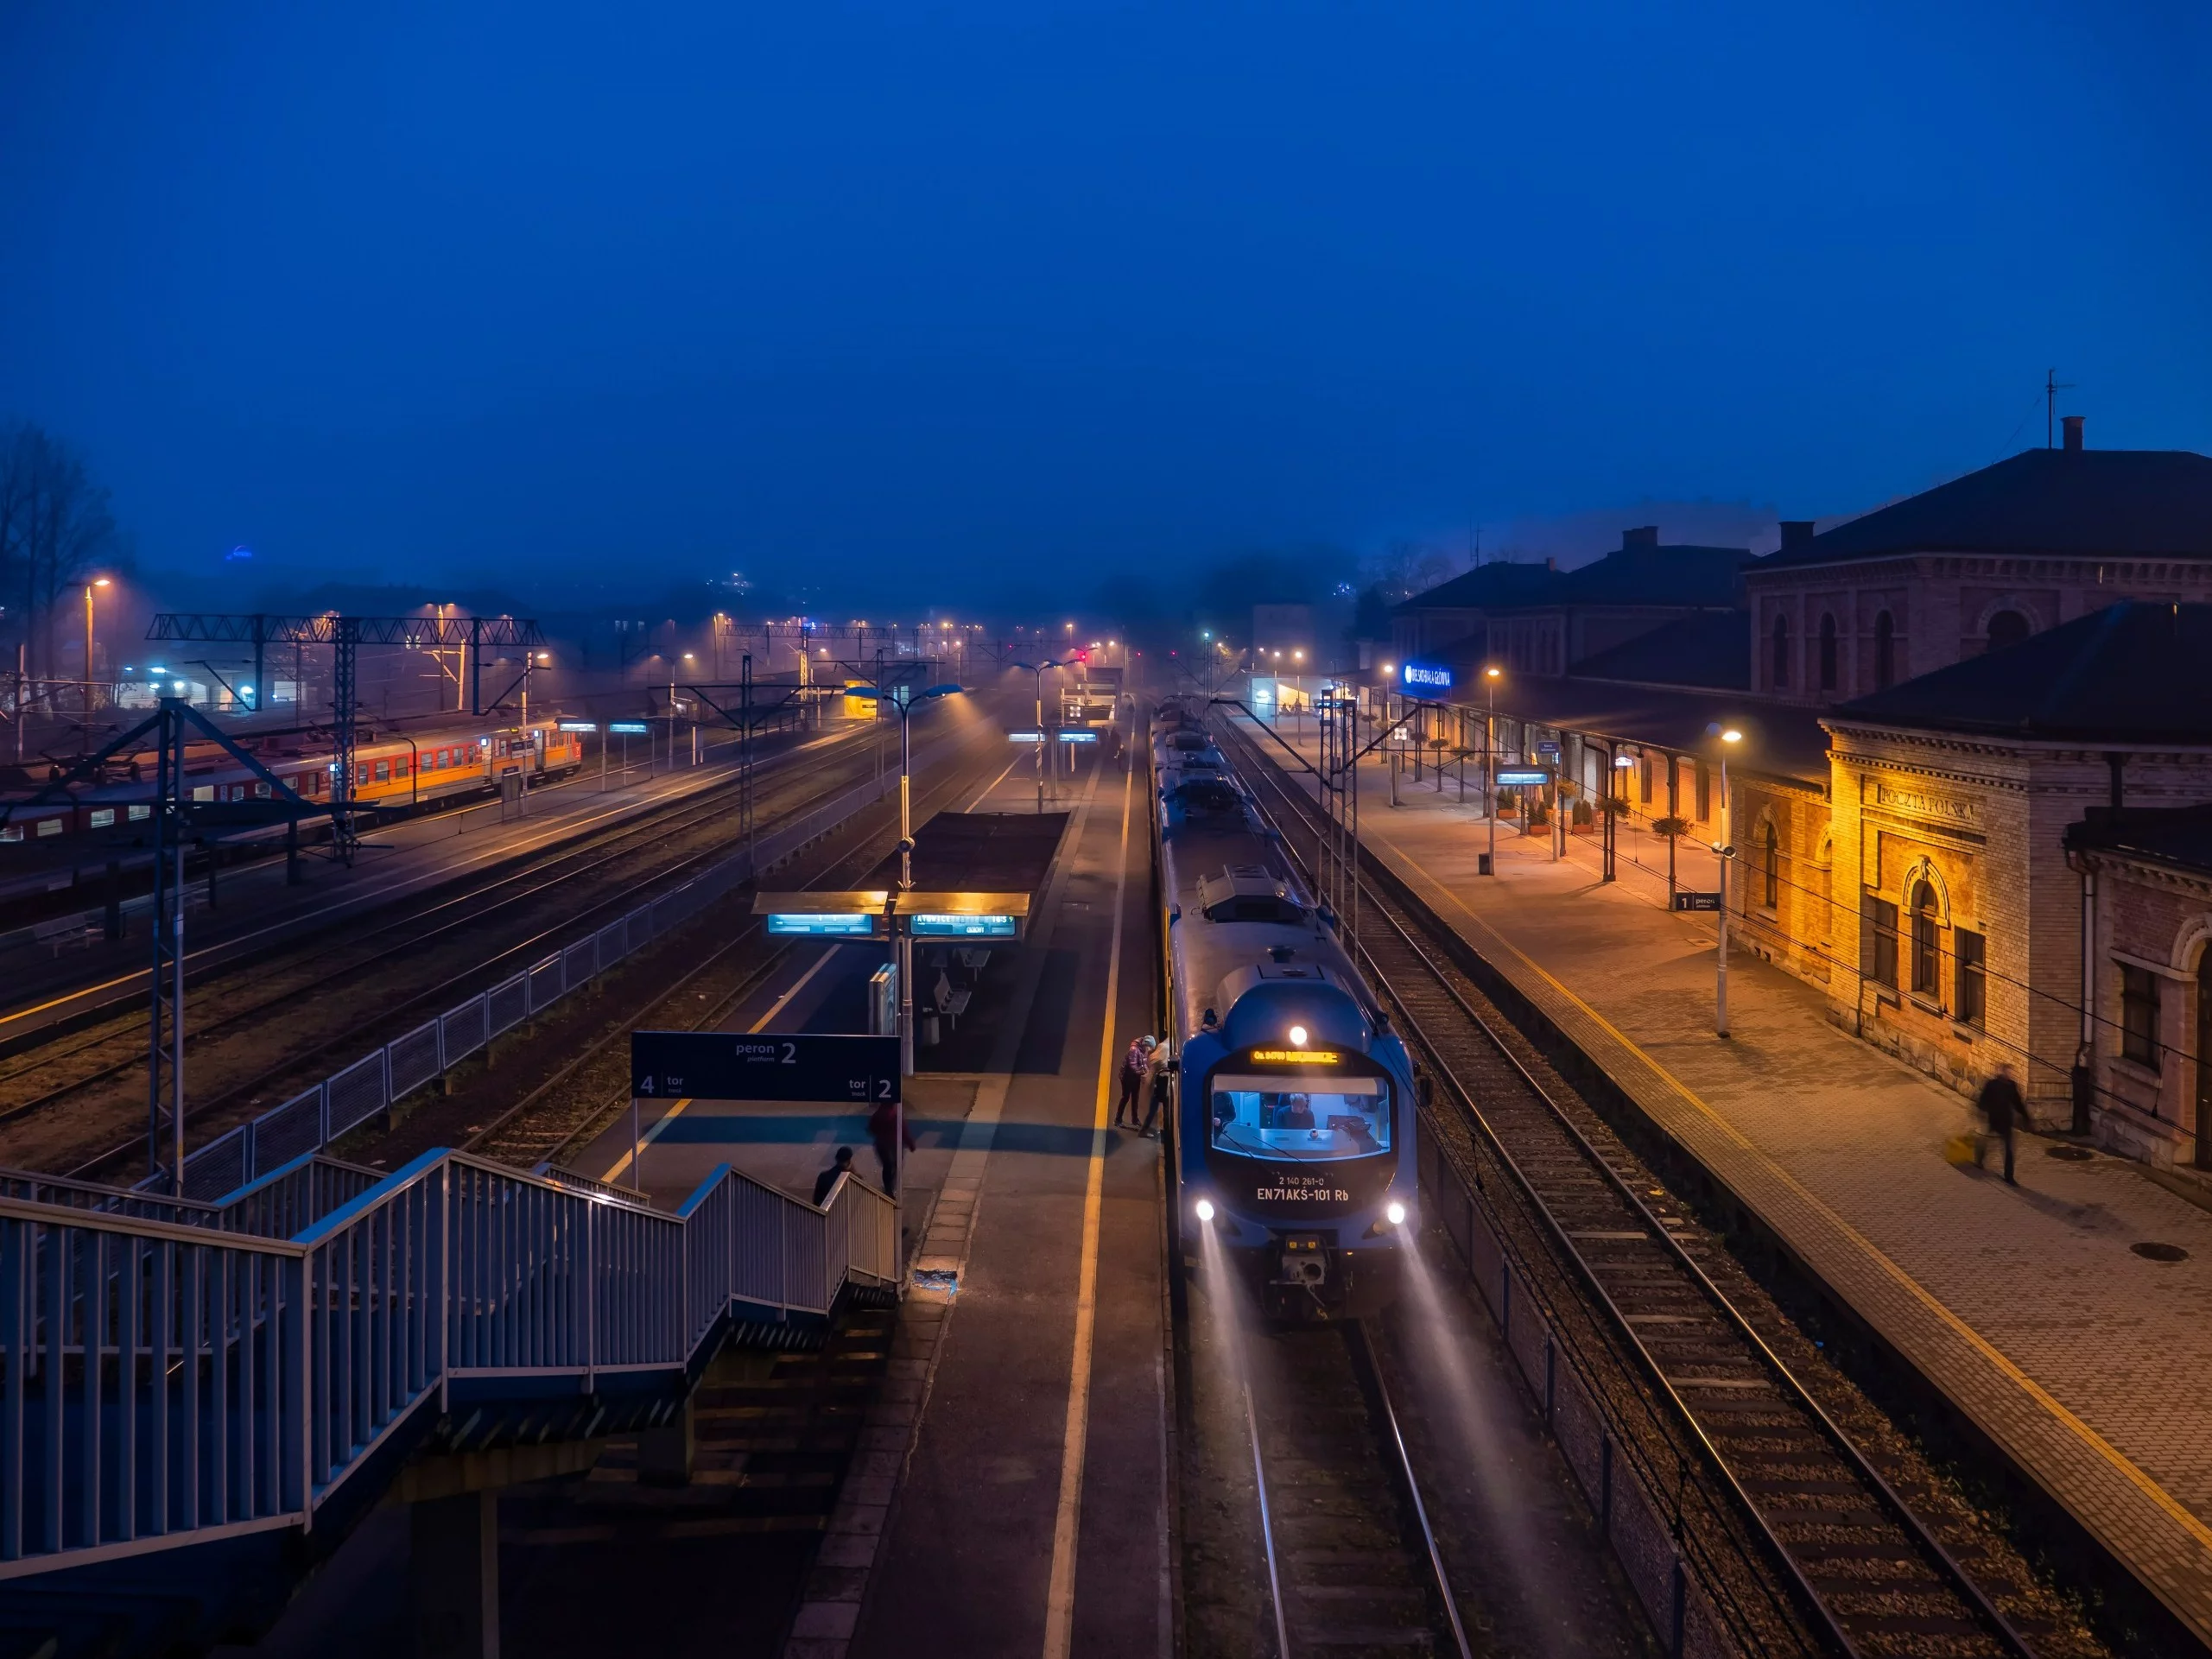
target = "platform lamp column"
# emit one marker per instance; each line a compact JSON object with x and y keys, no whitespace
{"x":98,"y":581}
{"x":1490,"y":678}
{"x":1723,"y":850}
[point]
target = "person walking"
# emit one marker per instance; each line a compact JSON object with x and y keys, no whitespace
{"x":1163,"y":1071}
{"x":839,"y":1165}
{"x":1135,"y":1064}
{"x":887,"y":1128}
{"x":2001,"y":1105}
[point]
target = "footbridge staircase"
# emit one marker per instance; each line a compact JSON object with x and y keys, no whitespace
{"x":198,"y":1400}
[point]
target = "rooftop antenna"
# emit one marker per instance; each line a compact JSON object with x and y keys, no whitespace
{"x":2052,"y":385}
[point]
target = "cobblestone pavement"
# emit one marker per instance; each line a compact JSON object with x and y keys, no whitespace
{"x":2026,"y":1304}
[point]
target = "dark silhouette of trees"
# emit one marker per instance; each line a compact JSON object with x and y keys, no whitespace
{"x":55,"y":527}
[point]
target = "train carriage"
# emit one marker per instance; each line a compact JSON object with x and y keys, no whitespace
{"x":1295,"y":1100}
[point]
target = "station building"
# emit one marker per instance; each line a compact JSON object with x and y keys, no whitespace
{"x":1949,"y":708}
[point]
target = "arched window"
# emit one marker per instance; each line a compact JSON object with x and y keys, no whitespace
{"x":1781,"y":675}
{"x":1927,"y":954}
{"x":1828,"y":653}
{"x":1885,"y":652}
{"x":1772,"y":848}
{"x":2006,"y":627}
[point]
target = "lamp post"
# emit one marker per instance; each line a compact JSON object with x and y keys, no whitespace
{"x":1044,"y":732}
{"x":902,"y":698}
{"x":1723,"y":850}
{"x":98,"y":581}
{"x":1491,"y":677}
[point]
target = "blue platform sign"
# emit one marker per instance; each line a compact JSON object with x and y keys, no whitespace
{"x":962,"y":927}
{"x":629,"y":728}
{"x":1077,"y":734}
{"x":1424,"y":676}
{"x":818,"y":925}
{"x":1522,"y":780}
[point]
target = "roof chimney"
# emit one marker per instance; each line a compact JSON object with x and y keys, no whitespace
{"x":2072,"y":424}
{"x":1795,"y":533}
{"x":1646,"y":535}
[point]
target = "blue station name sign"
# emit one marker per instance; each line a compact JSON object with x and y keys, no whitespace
{"x":1522,"y":779}
{"x":1424,"y":676}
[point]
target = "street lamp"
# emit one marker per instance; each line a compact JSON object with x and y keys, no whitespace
{"x":1044,"y":736}
{"x":96,"y":581}
{"x":1490,"y":678}
{"x":1723,"y":850}
{"x":902,"y":698}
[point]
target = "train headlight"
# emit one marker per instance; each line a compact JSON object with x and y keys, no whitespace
{"x":1297,"y":1036}
{"x":1204,"y":1208}
{"x":1396,"y":1212}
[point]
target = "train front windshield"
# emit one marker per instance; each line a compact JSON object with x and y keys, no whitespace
{"x":1312,"y":1119}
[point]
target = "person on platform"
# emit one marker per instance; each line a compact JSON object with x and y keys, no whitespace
{"x":2001,"y":1105}
{"x":1136,"y":1064}
{"x":839,"y":1165}
{"x":1156,"y":1099}
{"x":886,"y":1128}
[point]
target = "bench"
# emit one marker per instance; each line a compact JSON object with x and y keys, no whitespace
{"x":63,"y":931}
{"x":950,"y":1002}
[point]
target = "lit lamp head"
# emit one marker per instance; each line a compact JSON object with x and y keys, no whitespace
{"x":1297,"y":1036}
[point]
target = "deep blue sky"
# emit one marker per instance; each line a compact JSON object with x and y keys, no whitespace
{"x":1025,"y":289}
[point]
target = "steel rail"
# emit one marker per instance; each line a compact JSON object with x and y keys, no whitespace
{"x":594,"y":1122}
{"x":1363,"y":1343}
{"x":518,"y":866}
{"x":1933,"y":1554}
{"x":121,"y":1150}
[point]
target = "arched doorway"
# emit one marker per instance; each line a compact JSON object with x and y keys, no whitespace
{"x":2006,"y":627}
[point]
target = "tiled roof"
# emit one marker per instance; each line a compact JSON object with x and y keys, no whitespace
{"x":2181,"y":836}
{"x":1491,"y":587}
{"x":1708,"y":648}
{"x":2109,"y":502}
{"x":2131,"y":673}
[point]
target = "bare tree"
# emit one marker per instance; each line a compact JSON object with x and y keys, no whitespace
{"x":55,"y":526}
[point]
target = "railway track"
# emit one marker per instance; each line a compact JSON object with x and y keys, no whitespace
{"x":1850,"y":1555}
{"x":555,"y":1120}
{"x":399,"y":949}
{"x":1352,"y":1565}
{"x":223,"y":1004}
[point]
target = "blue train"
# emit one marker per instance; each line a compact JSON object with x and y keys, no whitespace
{"x":1295,"y":1099}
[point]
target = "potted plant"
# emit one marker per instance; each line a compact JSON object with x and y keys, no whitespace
{"x":1671,"y":827}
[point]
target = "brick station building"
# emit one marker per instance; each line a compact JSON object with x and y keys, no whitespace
{"x":1934,"y":698}
{"x":2145,"y":879}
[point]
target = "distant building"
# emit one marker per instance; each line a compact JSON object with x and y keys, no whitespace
{"x":1539,"y":619}
{"x":1282,"y":627}
{"x":1978,"y":563}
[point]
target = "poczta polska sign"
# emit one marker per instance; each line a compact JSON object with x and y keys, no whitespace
{"x":833,"y":1069}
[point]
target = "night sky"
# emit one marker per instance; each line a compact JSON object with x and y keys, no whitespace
{"x":978,"y":299}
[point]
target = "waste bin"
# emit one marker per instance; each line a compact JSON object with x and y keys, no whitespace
{"x":929,"y":1029}
{"x":1482,"y":863}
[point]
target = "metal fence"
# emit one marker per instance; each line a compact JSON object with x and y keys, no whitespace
{"x":165,"y":1380}
{"x":413,"y":1060}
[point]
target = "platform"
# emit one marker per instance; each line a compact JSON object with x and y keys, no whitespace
{"x":1011,"y":1472}
{"x":2082,"y":1361}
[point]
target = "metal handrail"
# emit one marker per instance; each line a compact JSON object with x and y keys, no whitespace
{"x":248,"y":1376}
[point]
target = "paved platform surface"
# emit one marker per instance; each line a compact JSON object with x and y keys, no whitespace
{"x":1010,"y":1494}
{"x":2085,"y":1361}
